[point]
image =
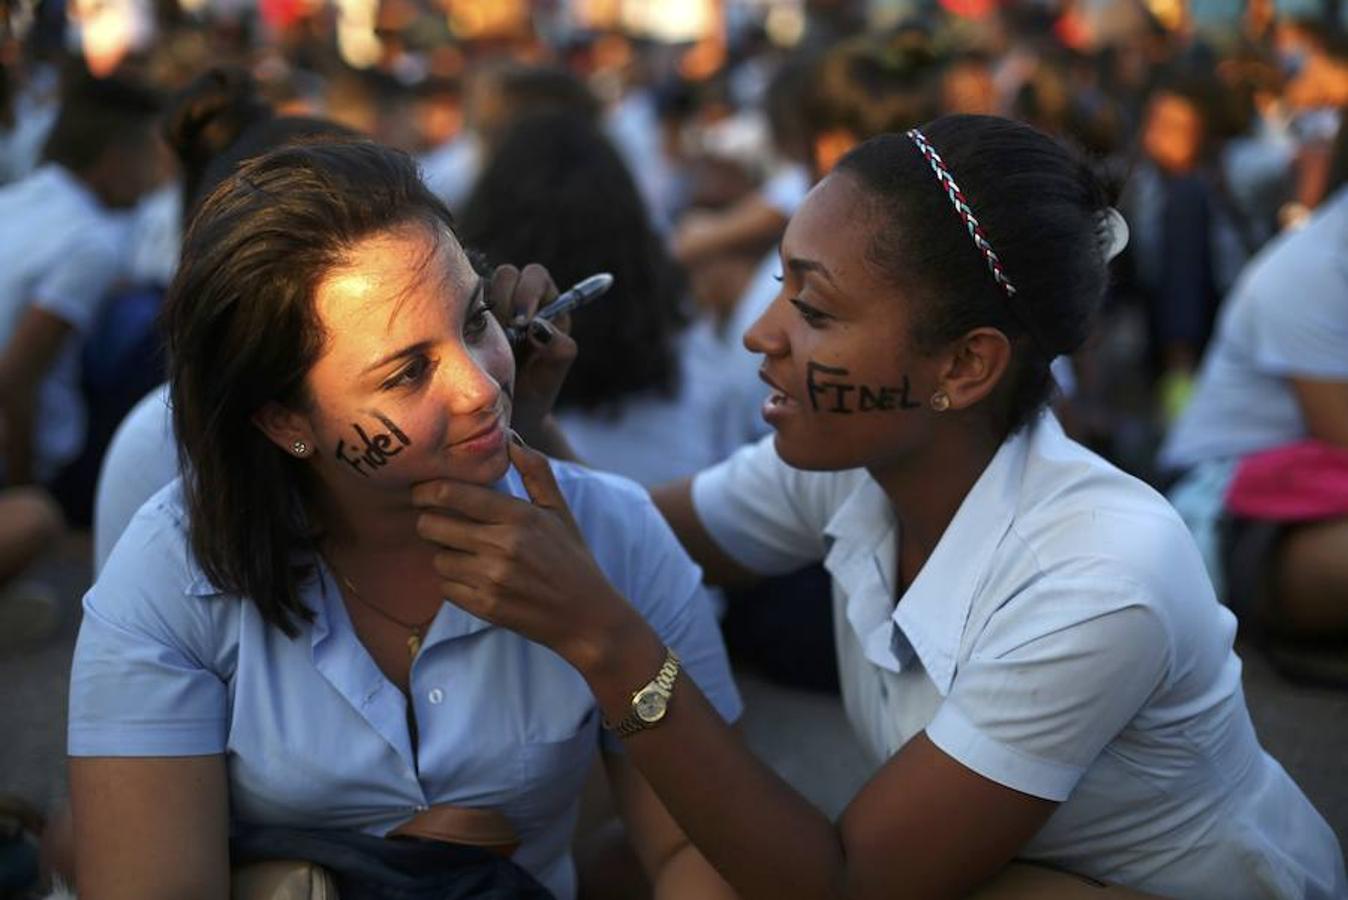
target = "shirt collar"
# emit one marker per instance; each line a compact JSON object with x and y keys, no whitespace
{"x":929,"y":621}
{"x":861,"y":538}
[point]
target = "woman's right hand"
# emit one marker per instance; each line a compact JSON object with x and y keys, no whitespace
{"x":543,"y":357}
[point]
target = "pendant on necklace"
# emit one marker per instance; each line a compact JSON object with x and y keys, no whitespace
{"x":414,"y":644}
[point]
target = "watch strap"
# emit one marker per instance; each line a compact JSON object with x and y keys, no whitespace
{"x":663,"y":683}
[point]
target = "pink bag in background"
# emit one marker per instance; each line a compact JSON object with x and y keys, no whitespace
{"x":1301,"y":482}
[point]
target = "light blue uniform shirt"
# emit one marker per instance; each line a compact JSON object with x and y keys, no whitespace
{"x":315,"y":735}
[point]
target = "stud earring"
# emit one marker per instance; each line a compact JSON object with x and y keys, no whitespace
{"x":940,"y":401}
{"x":299,"y":448}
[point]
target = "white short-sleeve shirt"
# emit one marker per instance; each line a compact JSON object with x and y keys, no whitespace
{"x":1061,"y":640}
{"x":1286,"y":318}
{"x":312,"y":731}
{"x":61,"y":252}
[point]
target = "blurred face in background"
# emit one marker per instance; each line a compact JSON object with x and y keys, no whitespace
{"x":1172,"y":135}
{"x":967,"y":87}
{"x":130,"y":168}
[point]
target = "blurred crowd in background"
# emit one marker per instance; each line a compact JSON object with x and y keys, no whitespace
{"x":666,"y":142}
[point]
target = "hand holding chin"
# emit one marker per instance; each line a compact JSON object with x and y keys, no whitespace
{"x":524,"y":565}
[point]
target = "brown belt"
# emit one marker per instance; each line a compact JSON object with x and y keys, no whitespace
{"x":486,"y":828}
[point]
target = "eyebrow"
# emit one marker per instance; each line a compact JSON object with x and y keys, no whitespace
{"x":421,"y":346}
{"x":801,"y":266}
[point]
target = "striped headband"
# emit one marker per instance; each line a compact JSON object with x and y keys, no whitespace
{"x":962,"y":208}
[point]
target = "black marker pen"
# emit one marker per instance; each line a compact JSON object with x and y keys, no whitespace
{"x":589,"y":289}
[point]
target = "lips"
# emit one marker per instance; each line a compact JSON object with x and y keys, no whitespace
{"x":485,"y":438}
{"x":778,"y":402}
{"x":477,"y":435}
{"x":779,"y":394}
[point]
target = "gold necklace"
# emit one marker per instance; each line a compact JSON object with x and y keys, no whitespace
{"x":414,"y":640}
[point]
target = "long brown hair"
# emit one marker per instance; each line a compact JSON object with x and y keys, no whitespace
{"x":242,"y":331}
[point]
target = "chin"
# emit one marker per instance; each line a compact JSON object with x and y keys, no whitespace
{"x":812,"y":458}
{"x":497,"y":468}
{"x":486,"y":471}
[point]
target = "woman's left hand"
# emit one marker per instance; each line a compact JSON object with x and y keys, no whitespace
{"x":524,"y":565}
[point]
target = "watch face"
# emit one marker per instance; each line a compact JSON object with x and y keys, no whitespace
{"x":650,"y":706}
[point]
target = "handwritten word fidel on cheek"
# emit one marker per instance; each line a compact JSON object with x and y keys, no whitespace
{"x":848,"y":398}
{"x":374,"y":450}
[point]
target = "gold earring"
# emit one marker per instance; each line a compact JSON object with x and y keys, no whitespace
{"x":299,"y":448}
{"x":940,"y":401}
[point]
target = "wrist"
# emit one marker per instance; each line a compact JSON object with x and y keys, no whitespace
{"x":620,"y":659}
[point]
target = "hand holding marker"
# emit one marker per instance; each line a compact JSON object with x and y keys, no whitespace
{"x":577,"y":295}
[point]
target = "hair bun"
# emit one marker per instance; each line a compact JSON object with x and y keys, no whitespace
{"x":210,"y":114}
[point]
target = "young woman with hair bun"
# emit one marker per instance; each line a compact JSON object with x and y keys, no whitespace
{"x":1029,"y":645}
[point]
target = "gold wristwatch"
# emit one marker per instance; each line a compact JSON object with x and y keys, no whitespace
{"x":650,"y":703}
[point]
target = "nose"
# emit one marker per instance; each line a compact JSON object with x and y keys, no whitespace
{"x":765,"y":335}
{"x":470,"y":386}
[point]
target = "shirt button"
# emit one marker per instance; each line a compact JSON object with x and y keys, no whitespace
{"x":436,"y":695}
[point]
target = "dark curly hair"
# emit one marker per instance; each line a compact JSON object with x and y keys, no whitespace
{"x":555,"y":192}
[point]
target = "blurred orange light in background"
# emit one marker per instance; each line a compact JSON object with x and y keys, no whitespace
{"x":488,"y":18}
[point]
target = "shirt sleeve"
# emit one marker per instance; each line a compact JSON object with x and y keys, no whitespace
{"x":666,"y":587}
{"x":766,"y":515}
{"x":142,"y":683}
{"x":75,"y":288}
{"x":1300,"y":330}
{"x":141,"y":459}
{"x":1032,"y":708}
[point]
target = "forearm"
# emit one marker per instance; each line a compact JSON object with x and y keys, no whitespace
{"x":1324,"y":408}
{"x":24,"y":362}
{"x":687,"y":875}
{"x":17,"y":419}
{"x":750,"y":224}
{"x":767,"y":841}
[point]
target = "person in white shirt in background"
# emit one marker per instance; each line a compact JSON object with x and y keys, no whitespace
{"x":1029,"y":645}
{"x":1276,"y":373}
{"x":212,"y":125}
{"x":62,"y":248}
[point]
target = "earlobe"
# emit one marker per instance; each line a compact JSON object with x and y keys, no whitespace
{"x":285,"y":428}
{"x":976,"y":367}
